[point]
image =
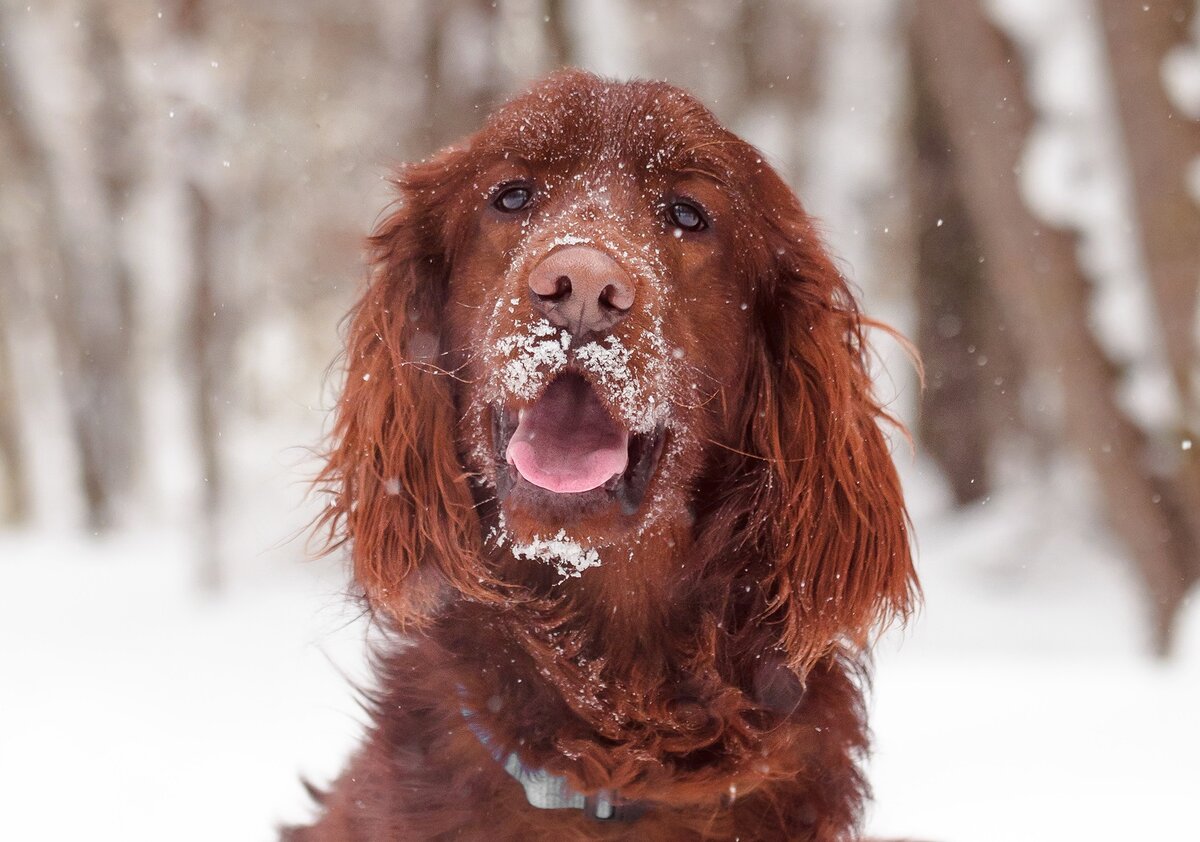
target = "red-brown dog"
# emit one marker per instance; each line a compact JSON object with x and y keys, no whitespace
{"x":608,"y":459}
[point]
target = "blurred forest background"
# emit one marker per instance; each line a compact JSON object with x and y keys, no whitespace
{"x":185,"y":186}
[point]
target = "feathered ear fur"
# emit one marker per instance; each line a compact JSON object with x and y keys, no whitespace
{"x":836,"y":537}
{"x":400,"y":495}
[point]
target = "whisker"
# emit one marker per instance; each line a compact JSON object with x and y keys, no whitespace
{"x":756,"y":456}
{"x":434,"y":368}
{"x":683,"y":405}
{"x":485,"y":501}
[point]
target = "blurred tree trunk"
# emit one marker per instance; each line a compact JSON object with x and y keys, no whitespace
{"x":14,"y":177}
{"x":777,"y":51}
{"x":75,"y":251}
{"x":974,"y":78}
{"x":13,"y":495}
{"x":457,"y":99}
{"x":559,"y":43}
{"x":210,"y":336}
{"x":210,"y":356}
{"x":770,"y":72}
{"x":953,"y":309}
{"x":1161,"y":143}
{"x":96,"y":317}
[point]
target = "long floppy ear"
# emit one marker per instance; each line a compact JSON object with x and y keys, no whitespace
{"x":836,"y":536}
{"x":400,"y":495}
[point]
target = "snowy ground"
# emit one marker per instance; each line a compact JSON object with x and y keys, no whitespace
{"x":132,"y":708}
{"x":1019,"y":708}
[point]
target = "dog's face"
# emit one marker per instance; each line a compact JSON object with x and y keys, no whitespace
{"x":599,"y":324}
{"x":597,"y":314}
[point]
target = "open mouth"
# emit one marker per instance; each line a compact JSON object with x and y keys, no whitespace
{"x":567,"y":442}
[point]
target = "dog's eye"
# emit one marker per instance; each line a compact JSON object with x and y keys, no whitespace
{"x":512,"y":199}
{"x":687,"y":216}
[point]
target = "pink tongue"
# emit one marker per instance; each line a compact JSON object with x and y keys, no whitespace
{"x":567,"y":442}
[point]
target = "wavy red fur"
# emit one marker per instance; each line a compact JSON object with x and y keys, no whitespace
{"x":711,"y":668}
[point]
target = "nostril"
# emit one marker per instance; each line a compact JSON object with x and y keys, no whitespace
{"x":616,"y":297}
{"x":581,"y":289}
{"x":606,"y":297}
{"x":562,"y":289}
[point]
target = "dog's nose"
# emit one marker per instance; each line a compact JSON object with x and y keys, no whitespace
{"x":582,"y":289}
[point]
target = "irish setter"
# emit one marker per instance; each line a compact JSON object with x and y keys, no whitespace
{"x":609,"y":466}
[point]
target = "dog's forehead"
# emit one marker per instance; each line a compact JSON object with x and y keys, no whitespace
{"x":574,"y":117}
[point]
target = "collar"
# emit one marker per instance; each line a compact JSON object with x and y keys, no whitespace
{"x":547,"y":791}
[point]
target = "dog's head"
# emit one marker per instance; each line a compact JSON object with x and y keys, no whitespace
{"x":599,"y":324}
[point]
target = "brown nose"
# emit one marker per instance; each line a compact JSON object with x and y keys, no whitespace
{"x":581,"y":289}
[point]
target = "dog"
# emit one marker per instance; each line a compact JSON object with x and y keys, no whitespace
{"x":611,"y":474}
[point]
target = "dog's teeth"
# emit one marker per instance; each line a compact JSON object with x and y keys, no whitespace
{"x":510,"y":421}
{"x":520,"y":416}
